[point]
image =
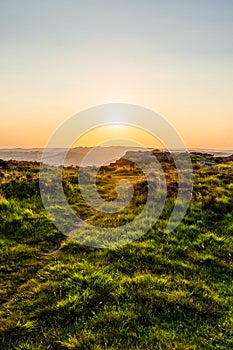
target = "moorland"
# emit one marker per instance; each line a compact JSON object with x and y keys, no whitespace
{"x":164,"y":290}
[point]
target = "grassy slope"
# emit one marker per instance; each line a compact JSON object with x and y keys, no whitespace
{"x":163,"y":291}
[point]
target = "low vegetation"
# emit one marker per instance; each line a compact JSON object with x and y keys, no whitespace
{"x":162,"y":291}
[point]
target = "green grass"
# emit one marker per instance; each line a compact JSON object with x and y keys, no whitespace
{"x":162,"y":291}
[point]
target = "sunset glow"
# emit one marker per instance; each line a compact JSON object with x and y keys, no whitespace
{"x":58,"y":58}
{"x":112,"y":135}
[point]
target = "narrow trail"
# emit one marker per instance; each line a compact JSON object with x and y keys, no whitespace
{"x":56,"y":247}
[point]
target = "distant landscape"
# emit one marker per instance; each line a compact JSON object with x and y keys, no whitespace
{"x":75,"y":155}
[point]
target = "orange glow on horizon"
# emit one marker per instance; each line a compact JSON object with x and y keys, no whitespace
{"x":118,"y":135}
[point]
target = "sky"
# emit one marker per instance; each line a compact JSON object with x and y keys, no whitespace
{"x":59,"y":57}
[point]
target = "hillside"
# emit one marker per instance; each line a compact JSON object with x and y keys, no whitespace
{"x":161,"y":291}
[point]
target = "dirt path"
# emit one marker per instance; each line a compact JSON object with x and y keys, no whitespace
{"x":56,"y":247}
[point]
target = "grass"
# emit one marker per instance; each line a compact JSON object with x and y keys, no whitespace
{"x":162,"y":291}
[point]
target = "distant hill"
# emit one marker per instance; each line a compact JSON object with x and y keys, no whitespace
{"x":96,"y":156}
{"x":88,"y":156}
